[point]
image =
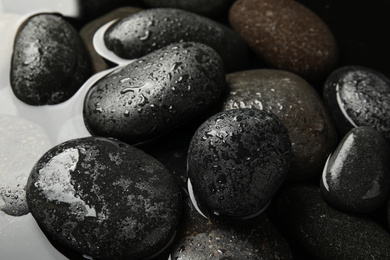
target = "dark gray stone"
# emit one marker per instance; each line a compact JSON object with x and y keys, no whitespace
{"x":356,"y":177}
{"x":104,"y":199}
{"x":155,"y":94}
{"x":146,"y":31}
{"x":49,"y":62}
{"x":326,"y":232}
{"x":358,"y":96}
{"x":237,"y":160}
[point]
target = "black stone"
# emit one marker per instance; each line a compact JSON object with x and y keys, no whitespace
{"x":155,"y":94}
{"x":326,"y":232}
{"x":146,"y":31}
{"x":356,"y":177}
{"x":237,"y":160}
{"x":49,"y":62}
{"x":104,"y":199}
{"x":358,"y":96}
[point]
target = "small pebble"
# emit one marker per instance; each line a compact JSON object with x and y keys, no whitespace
{"x":104,"y":199}
{"x":153,"y":95}
{"x":49,"y":61}
{"x":151,"y":29}
{"x":237,"y":160}
{"x":356,"y":177}
{"x":297,"y":105}
{"x":286,"y":35}
{"x":358,"y":96}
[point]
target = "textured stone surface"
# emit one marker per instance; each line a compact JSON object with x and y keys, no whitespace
{"x":22,"y":143}
{"x":286,"y":35}
{"x":237,"y":160}
{"x":154,"y":94}
{"x":358,"y":96}
{"x":297,"y":105}
{"x":152,"y":29}
{"x":357,"y":176}
{"x":328,"y":233}
{"x":49,"y":62}
{"x":88,"y":31}
{"x":104,"y":199}
{"x":202,"y":7}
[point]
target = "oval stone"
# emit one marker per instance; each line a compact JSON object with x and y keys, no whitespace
{"x":104,"y":199}
{"x":286,"y":35}
{"x":237,"y":160}
{"x":146,"y":31}
{"x":356,"y":177}
{"x":299,"y":107}
{"x":358,"y":96}
{"x":49,"y":62}
{"x":326,"y":232}
{"x":154,"y":94}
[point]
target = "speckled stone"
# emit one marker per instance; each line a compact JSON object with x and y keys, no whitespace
{"x":358,"y":96}
{"x":88,"y":31}
{"x":104,"y":199}
{"x":286,"y":35}
{"x":49,"y":62}
{"x":152,"y":29}
{"x":237,"y":160}
{"x":199,"y":238}
{"x":22,"y":143}
{"x":328,"y":233}
{"x":155,"y":94}
{"x":202,"y":7}
{"x":299,"y":107}
{"x":356,"y":177}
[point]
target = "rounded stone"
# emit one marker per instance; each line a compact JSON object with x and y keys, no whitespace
{"x":237,"y":160}
{"x":49,"y":62}
{"x":356,"y":177}
{"x":104,"y":199}
{"x":153,"y":95}
{"x":286,"y":35}
{"x":149,"y":30}
{"x":297,"y":105}
{"x":326,"y":232}
{"x":358,"y":96}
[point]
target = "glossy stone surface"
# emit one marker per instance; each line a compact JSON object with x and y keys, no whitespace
{"x":357,"y":175}
{"x":237,"y":160}
{"x":49,"y":62}
{"x":202,"y":7}
{"x":286,"y":35}
{"x":22,"y":143}
{"x":156,"y":93}
{"x":152,"y":29}
{"x":297,"y":105}
{"x":104,"y":199}
{"x":326,"y":232}
{"x":358,"y":96}
{"x":200,"y":238}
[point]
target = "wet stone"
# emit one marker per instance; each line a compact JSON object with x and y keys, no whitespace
{"x":203,"y":7}
{"x":237,"y":160}
{"x":22,"y":143}
{"x":286,"y":35}
{"x":156,"y":93}
{"x":104,"y":199}
{"x":297,"y":105}
{"x":49,"y":62}
{"x":152,"y":29}
{"x":358,"y":96}
{"x":326,"y":232}
{"x":356,"y":177}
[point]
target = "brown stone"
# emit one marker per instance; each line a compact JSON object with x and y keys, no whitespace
{"x":88,"y":31}
{"x":286,"y":35}
{"x":298,"y":106}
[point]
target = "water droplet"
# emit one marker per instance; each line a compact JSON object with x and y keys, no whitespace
{"x":145,"y":37}
{"x":124,"y":80}
{"x":127,"y":113}
{"x":143,"y":100}
{"x":126,"y":90}
{"x":172,"y":110}
{"x":176,"y":65}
